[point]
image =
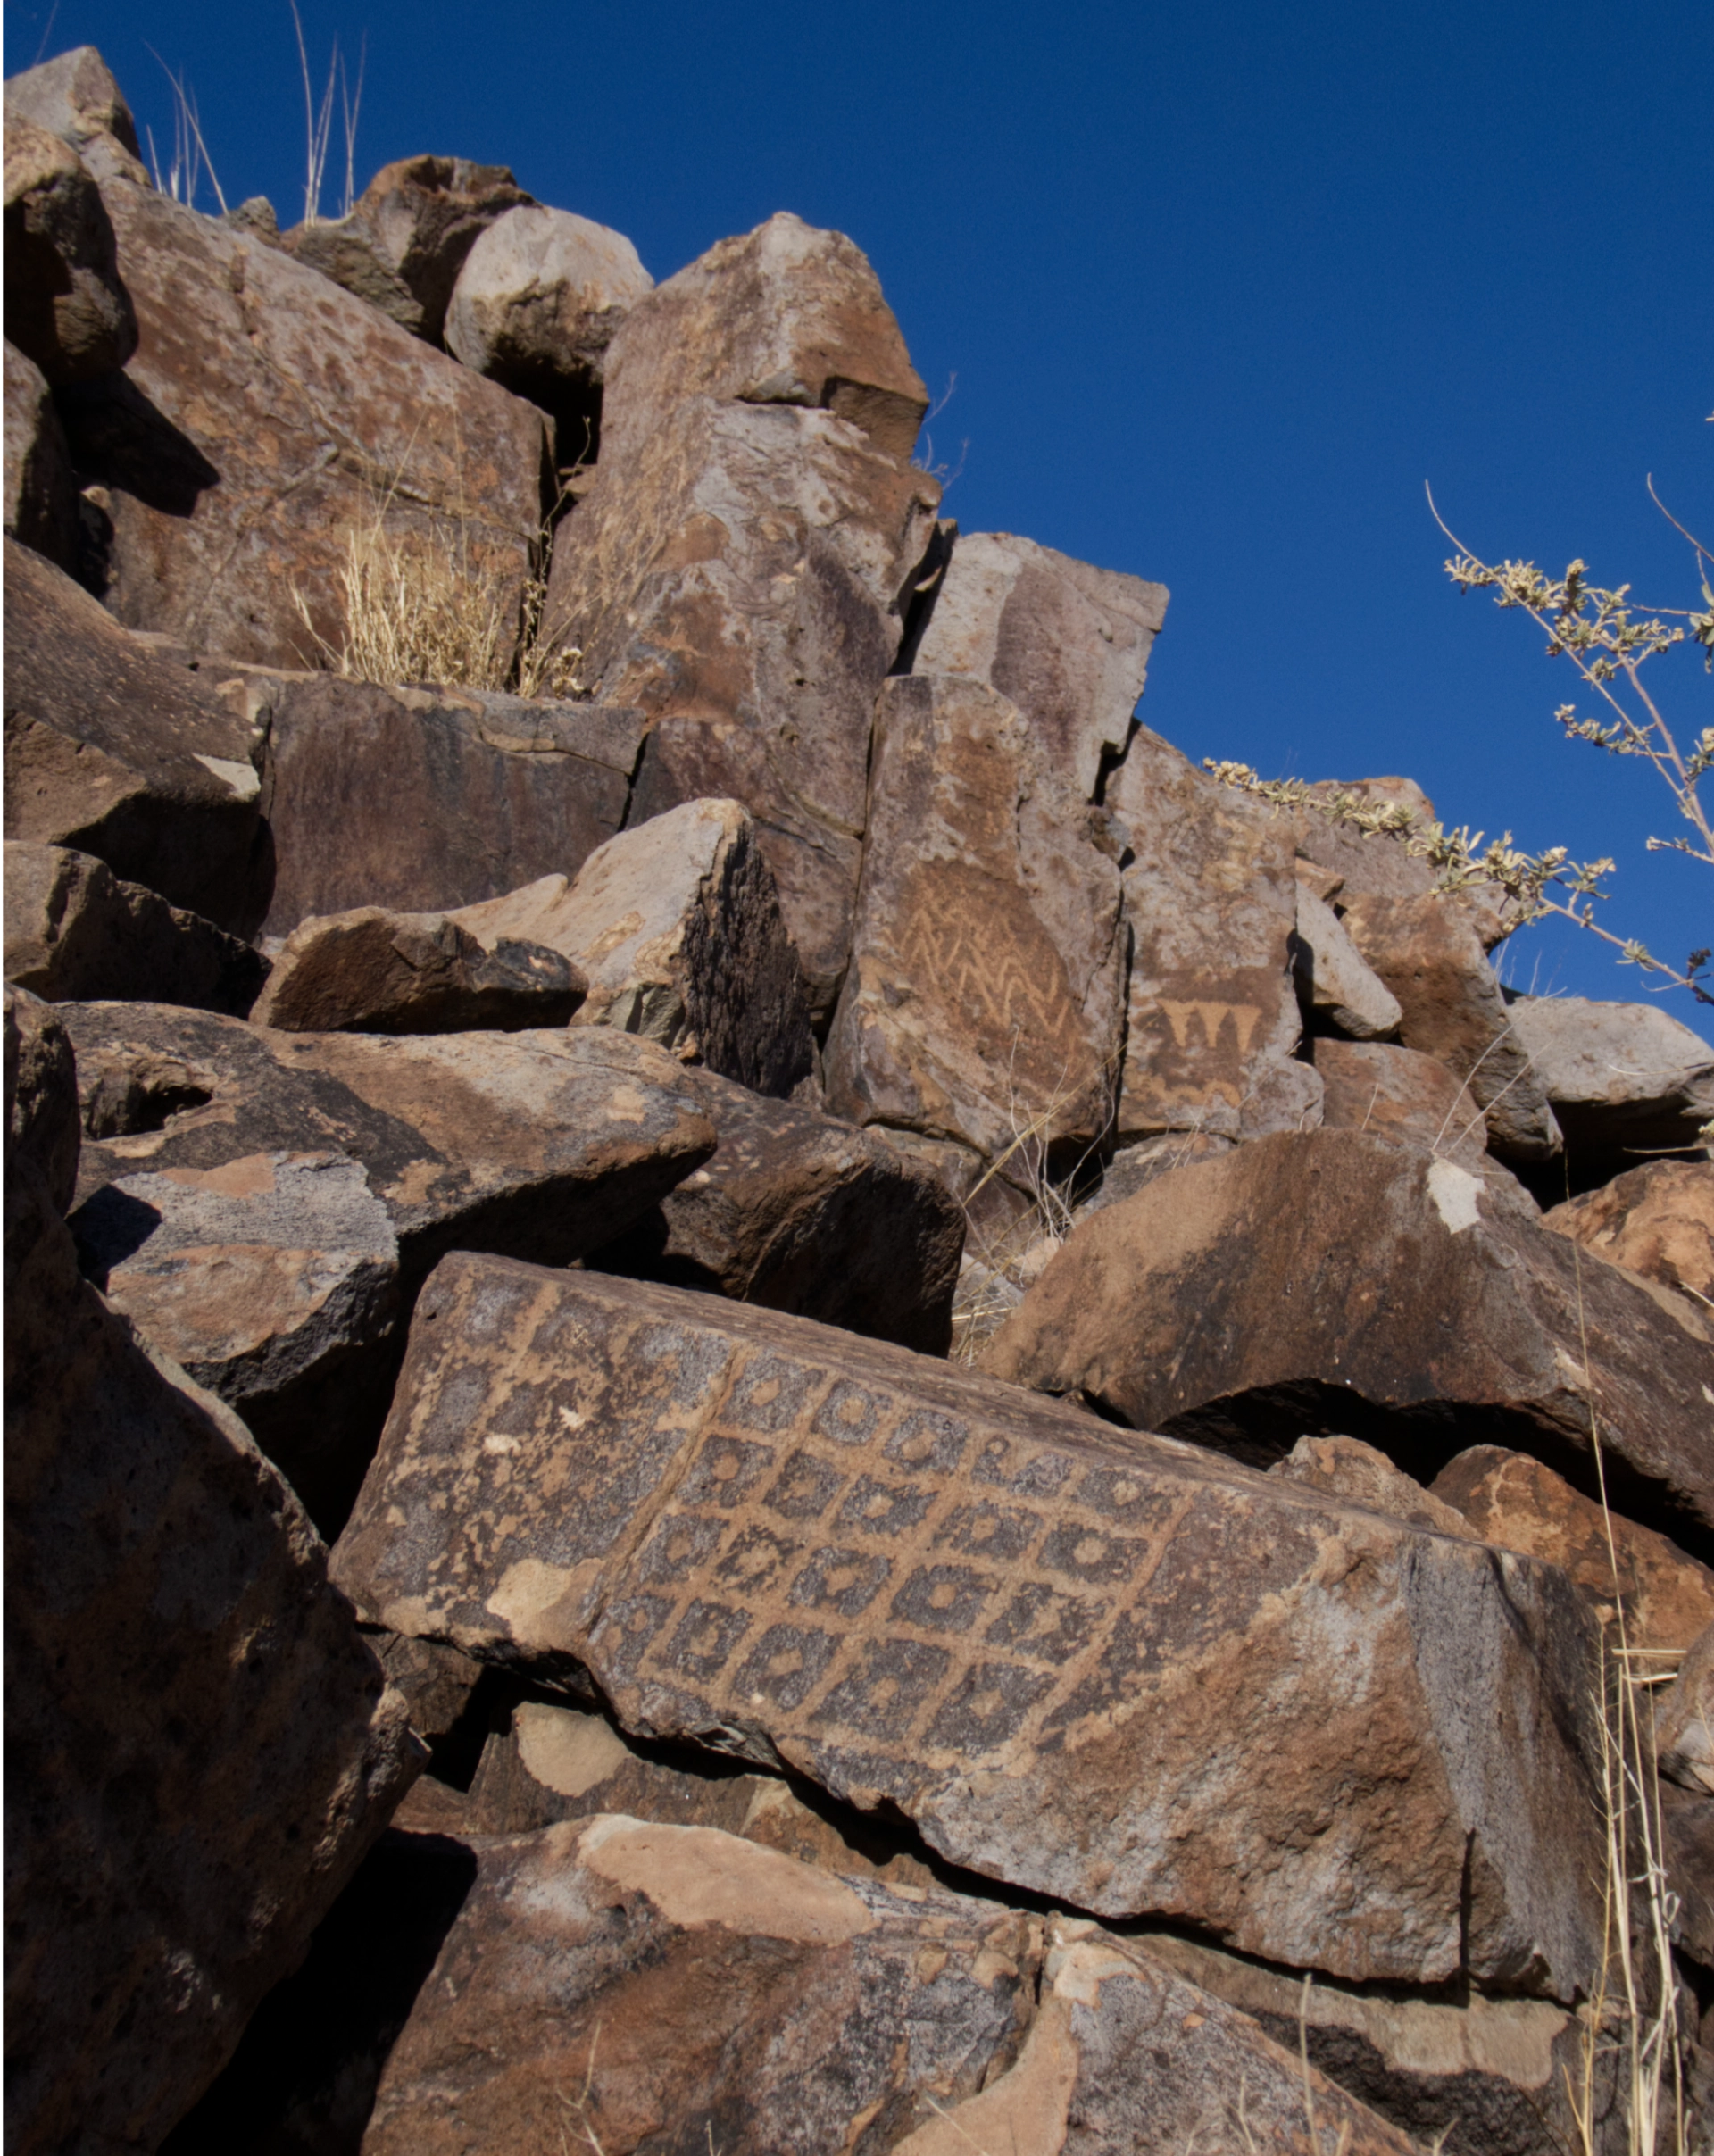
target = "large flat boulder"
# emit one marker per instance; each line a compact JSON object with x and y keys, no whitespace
{"x":1337,"y":1282}
{"x":1211,"y":899}
{"x":737,"y":575}
{"x":425,"y":801}
{"x":65,"y":305}
{"x":1624,"y":1079}
{"x":985,"y":999}
{"x":200,"y":1745}
{"x":113,"y":751}
{"x":1067,"y":642}
{"x":1059,"y":1650}
{"x":268,"y":416}
{"x":649,"y":1983}
{"x":40,"y":492}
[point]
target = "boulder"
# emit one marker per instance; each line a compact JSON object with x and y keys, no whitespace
{"x":437,"y":1684}
{"x":535,"y":307}
{"x":1402,"y":1093}
{"x":1337,"y":991}
{"x":783,"y":315}
{"x":798,"y":1211}
{"x":675,"y":925}
{"x":1347,"y":1468}
{"x":74,"y":96}
{"x":269,"y":424}
{"x":1657,"y":1220}
{"x":1683,"y":1720}
{"x":1057,"y":1649}
{"x":43,"y":1124}
{"x":1068,"y":644}
{"x":985,"y":999}
{"x":1432,"y":952}
{"x":200,"y":1744}
{"x":425,"y":801}
{"x":737,"y":575}
{"x":1133,"y":1166}
{"x":408,"y":235}
{"x":76,"y":932}
{"x":1507,"y":1498}
{"x":113,"y":751}
{"x":1211,"y":901}
{"x":1370,"y":864}
{"x":1339,"y":1282}
{"x":1624,"y":1078}
{"x":65,"y":305}
{"x":41,"y":494}
{"x":375,"y":971}
{"x":648,"y":1983}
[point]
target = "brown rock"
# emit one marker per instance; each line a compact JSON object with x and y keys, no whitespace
{"x":1133,"y":1166}
{"x":1400,"y":1092}
{"x":1339,"y":1282}
{"x":1371,"y":864}
{"x":1667,"y":1597}
{"x":437,"y":1684}
{"x":1683,"y":1719}
{"x":985,"y":997}
{"x":373,"y":972}
{"x":1068,"y":644}
{"x":736,"y":574}
{"x":1657,"y":1220}
{"x":1335,"y":989}
{"x":41,"y":496}
{"x":697,"y":1982}
{"x":675,"y":925}
{"x":798,"y":1211}
{"x":65,"y":305}
{"x":113,"y":751}
{"x":74,"y":96}
{"x":408,"y":235}
{"x":1432,"y":954}
{"x":266,"y":418}
{"x":1687,"y":1835}
{"x":1347,"y":1468}
{"x":1624,"y":1079}
{"x":1211,"y":901}
{"x":782,"y":315}
{"x":75,"y":931}
{"x":1056,"y":1650}
{"x":200,"y":1745}
{"x":426,"y":801}
{"x":42,"y":1119}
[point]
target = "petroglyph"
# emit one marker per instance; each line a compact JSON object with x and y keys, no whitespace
{"x":1060,"y":1649}
{"x":988,"y":961}
{"x":1211,"y":1018}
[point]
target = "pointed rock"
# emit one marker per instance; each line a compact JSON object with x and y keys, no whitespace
{"x":65,"y":305}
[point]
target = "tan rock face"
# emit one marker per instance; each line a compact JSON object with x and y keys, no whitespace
{"x":201,"y":1748}
{"x":75,"y":97}
{"x":1657,"y":1220}
{"x":697,"y":1981}
{"x":1374,"y":864}
{"x":40,"y":493}
{"x":65,"y":305}
{"x":74,"y":931}
{"x":1332,"y":983}
{"x":266,"y":416}
{"x":798,"y":1211}
{"x":1432,"y":954}
{"x":425,"y":801}
{"x":113,"y":751}
{"x":408,"y":235}
{"x":373,"y":972}
{"x":1347,"y":1468}
{"x":735,"y":574}
{"x":1683,"y":1720}
{"x":782,"y":315}
{"x":1342,"y":1282}
{"x":1400,"y":1092}
{"x":1054,"y":1649}
{"x":1507,"y":1498}
{"x":1624,"y":1079}
{"x":42,"y":1119}
{"x":986,"y":981}
{"x":1068,"y":644}
{"x":1211,"y":901}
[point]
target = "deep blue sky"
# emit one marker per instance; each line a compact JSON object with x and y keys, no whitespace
{"x":1222,"y":286}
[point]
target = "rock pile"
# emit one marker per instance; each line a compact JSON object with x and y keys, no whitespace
{"x":764,"y":1393}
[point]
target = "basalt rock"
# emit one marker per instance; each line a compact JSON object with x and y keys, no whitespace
{"x":1683,"y":1720}
{"x":1402,"y":1093}
{"x":76,"y":932}
{"x":75,"y":97}
{"x":65,"y":305}
{"x":1335,"y":989}
{"x":1057,"y":1649}
{"x":1657,"y":1220}
{"x":1625,"y":1079}
{"x":985,"y":999}
{"x":1347,"y":1468}
{"x":43,"y":1123}
{"x":40,"y":493}
{"x":1339,"y":1282}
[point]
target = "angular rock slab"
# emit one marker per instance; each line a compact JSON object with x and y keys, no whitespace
{"x":1657,"y":1220}
{"x":985,"y":998}
{"x":76,"y":932}
{"x":1339,"y":1282}
{"x":1624,"y":1079}
{"x":1066,"y":643}
{"x":266,"y":416}
{"x":1211,"y":901}
{"x":40,"y":492}
{"x":65,"y":305}
{"x":739,"y":578}
{"x":113,"y":751}
{"x":1061,"y":1651}
{"x":41,"y":1077}
{"x":427,"y":802}
{"x":1402,"y":1093}
{"x":1346,"y":1468}
{"x":75,"y":97}
{"x":200,"y":1744}
{"x":1332,"y":983}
